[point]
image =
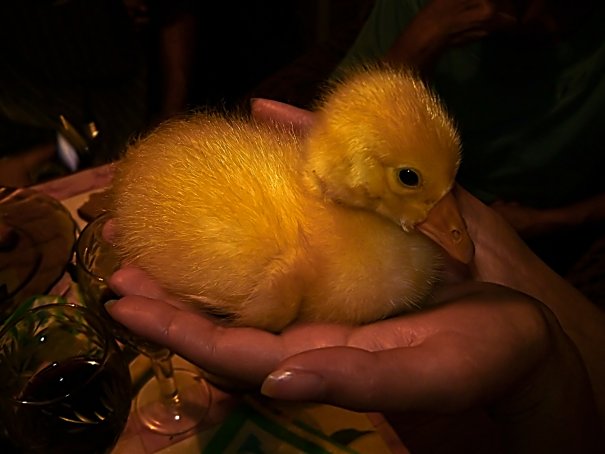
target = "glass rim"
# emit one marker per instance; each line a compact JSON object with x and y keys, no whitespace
{"x":108,"y":343}
{"x":80,"y":263}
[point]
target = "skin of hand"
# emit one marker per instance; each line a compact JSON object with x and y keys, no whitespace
{"x":443,"y":24}
{"x":483,"y":345}
{"x":176,"y":48}
{"x":502,"y":257}
{"x":529,"y":222}
{"x":138,"y":11}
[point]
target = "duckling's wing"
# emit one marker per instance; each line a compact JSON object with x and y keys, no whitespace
{"x":278,"y":298}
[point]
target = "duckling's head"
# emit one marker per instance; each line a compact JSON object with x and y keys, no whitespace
{"x":383,"y":141}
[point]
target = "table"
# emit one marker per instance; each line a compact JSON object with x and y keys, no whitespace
{"x":268,"y":425}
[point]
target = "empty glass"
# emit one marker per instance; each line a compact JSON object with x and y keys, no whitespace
{"x":175,"y":400}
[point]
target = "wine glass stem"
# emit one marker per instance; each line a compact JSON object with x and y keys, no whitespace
{"x":161,"y":363}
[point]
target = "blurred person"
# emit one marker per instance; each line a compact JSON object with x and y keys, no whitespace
{"x":80,"y":78}
{"x":241,"y":45}
{"x":170,"y":33}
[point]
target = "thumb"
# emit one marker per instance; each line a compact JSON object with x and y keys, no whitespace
{"x":357,"y":379}
{"x":266,"y":110}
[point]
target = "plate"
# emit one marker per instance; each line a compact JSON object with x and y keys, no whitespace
{"x":37,"y":235}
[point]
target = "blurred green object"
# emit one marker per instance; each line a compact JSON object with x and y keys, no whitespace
{"x":31,"y":303}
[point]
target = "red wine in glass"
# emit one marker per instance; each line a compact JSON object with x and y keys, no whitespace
{"x":66,"y":383}
{"x":84,"y":408}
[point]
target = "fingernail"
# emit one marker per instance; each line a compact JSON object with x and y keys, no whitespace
{"x":293,"y":385}
{"x":109,"y":303}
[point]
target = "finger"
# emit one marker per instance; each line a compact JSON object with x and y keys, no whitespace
{"x":477,"y":214}
{"x":446,"y":359}
{"x":464,"y":195}
{"x":402,"y":379}
{"x":470,"y":206}
{"x":436,"y":376}
{"x":109,"y":231}
{"x":134,"y":281}
{"x":245,"y":353}
{"x":276,"y":112}
{"x":503,"y":21}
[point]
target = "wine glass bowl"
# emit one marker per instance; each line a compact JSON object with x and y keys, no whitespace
{"x":66,"y":383}
{"x":96,"y":260}
{"x":174,"y":401}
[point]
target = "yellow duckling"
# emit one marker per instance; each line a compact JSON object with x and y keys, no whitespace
{"x":262,"y":227}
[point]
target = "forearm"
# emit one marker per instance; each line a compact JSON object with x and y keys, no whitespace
{"x":581,"y":319}
{"x":503,"y":258}
{"x":445,"y":24}
{"x":177,"y":46}
{"x":587,"y":211}
{"x":417,"y":47}
{"x":413,"y":50}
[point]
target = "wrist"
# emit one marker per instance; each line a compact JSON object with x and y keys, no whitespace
{"x":553,"y":408}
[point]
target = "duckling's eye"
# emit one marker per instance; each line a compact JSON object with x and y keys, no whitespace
{"x":408,"y":177}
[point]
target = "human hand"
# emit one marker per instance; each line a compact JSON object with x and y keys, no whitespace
{"x":317,"y":361}
{"x":138,"y":12}
{"x":467,"y":20}
{"x":482,"y":346}
{"x":527,"y":221}
{"x":530,"y":221}
{"x":443,"y":24}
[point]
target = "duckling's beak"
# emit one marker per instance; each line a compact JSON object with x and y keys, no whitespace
{"x":445,"y":226}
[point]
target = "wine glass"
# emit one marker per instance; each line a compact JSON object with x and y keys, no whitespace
{"x":175,"y":400}
{"x":65,"y":382}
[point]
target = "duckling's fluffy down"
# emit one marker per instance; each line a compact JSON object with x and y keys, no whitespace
{"x":216,"y":210}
